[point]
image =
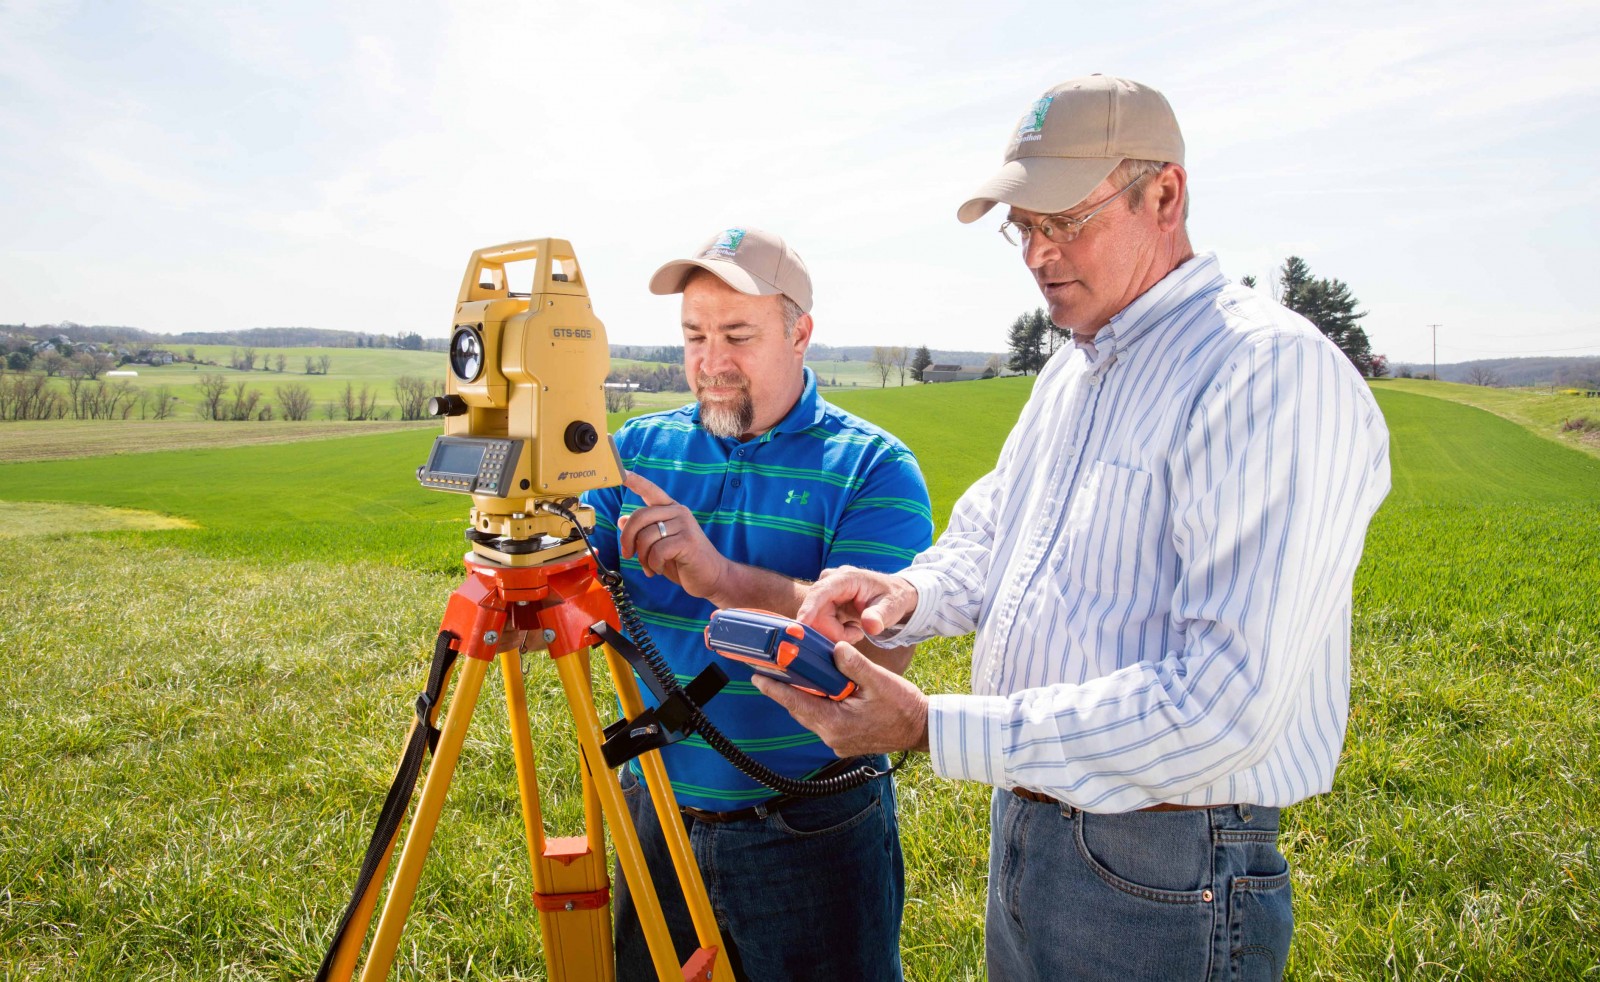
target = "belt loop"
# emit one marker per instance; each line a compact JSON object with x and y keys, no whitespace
{"x":761,"y":812}
{"x":1244,"y":812}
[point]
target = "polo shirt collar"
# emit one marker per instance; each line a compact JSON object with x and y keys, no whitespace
{"x":1201,"y":274}
{"x":806,"y":412}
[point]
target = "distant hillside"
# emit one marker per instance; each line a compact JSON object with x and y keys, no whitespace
{"x":1576,"y":373}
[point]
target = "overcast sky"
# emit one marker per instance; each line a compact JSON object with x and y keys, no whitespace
{"x":197,"y":165}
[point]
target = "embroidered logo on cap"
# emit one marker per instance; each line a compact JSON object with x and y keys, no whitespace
{"x":1033,"y":122}
{"x":726,"y":245}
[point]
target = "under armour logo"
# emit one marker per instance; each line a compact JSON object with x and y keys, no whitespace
{"x":797,"y":497}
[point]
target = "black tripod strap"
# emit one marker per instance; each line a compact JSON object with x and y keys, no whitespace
{"x":424,"y":739}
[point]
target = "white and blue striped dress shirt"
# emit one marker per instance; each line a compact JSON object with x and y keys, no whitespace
{"x":1159,"y":566}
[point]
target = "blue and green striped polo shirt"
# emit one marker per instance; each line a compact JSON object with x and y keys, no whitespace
{"x":821,"y":488}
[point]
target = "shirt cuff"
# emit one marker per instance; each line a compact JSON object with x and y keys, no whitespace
{"x":918,"y":627}
{"x":966,"y":737}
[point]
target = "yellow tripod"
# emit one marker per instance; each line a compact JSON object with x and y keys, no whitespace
{"x":562,"y":604}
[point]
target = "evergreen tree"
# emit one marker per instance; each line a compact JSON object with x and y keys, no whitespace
{"x":1026,"y":339}
{"x":1328,"y":304}
{"x":921,"y":360}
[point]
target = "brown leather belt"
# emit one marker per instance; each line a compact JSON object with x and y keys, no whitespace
{"x":1045,"y":799}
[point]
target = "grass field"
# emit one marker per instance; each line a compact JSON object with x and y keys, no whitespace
{"x":1543,"y":411}
{"x":200,"y":722}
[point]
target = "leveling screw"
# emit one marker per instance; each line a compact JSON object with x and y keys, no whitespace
{"x":549,"y":635}
{"x":490,"y":637}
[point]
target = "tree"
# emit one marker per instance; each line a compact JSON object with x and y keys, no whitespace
{"x":280,"y":361}
{"x":410,"y":342}
{"x":244,"y":402}
{"x":1026,"y":339}
{"x":901,"y":355}
{"x":921,"y":361}
{"x":1247,"y":280}
{"x":53,"y":362}
{"x":883,"y":361}
{"x":619,"y":397}
{"x":1483,"y":375}
{"x":294,"y":400}
{"x":411,"y":392}
{"x":1329,"y":305}
{"x":324,"y":362}
{"x":212,"y":389}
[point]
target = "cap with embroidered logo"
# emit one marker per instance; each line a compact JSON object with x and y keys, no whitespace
{"x":749,"y":260}
{"x":1072,"y":138}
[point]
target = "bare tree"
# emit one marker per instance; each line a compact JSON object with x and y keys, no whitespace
{"x":901,"y":356}
{"x":411,"y":392}
{"x":53,"y":363}
{"x":323,"y":364}
{"x":359,"y":405}
{"x":212,"y":388}
{"x":248,"y":359}
{"x":295,"y":401}
{"x":311,"y":365}
{"x":161,"y":402}
{"x":883,"y":362}
{"x":1483,"y":375}
{"x":244,"y":402}
{"x":619,"y":398}
{"x":280,"y":361}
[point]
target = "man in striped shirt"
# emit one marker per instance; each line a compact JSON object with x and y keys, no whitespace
{"x":1158,"y":570}
{"x":739,"y":500}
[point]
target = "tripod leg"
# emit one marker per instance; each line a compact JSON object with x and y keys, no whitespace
{"x":575,"y":681}
{"x":418,"y":838}
{"x":666,"y":804}
{"x":570,"y":888}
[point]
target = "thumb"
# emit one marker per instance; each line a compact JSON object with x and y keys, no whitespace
{"x":879,"y":615}
{"x":848,"y":659}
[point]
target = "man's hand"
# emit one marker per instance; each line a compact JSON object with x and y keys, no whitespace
{"x":668,"y":540}
{"x":847,"y":603}
{"x":886,"y":714}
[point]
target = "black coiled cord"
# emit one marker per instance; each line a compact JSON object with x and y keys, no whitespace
{"x":635,"y":631}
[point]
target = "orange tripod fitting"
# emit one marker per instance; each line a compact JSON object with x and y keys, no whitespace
{"x":503,"y":611}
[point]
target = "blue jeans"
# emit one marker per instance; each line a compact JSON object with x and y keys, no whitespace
{"x":1155,"y":896}
{"x":813,"y":891}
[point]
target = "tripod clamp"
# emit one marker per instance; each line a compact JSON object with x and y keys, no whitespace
{"x":666,"y":723}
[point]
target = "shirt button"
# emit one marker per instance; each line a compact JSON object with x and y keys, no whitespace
{"x":736,"y":482}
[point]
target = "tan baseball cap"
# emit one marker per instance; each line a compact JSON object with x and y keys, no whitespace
{"x":1072,"y":138}
{"x":747,"y":259}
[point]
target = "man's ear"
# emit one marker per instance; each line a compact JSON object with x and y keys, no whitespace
{"x":1169,"y":190}
{"x":802,"y":334}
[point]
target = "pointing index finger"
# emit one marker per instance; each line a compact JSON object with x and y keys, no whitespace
{"x":645,"y":489}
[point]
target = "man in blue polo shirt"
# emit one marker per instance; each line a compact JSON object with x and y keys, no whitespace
{"x":739,"y":500}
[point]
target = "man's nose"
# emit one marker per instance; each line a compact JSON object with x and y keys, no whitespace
{"x":1038,"y":250}
{"x":716,"y":357}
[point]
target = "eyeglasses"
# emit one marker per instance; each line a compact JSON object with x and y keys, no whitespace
{"x":1059,"y":229}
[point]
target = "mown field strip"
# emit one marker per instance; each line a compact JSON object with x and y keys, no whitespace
{"x":62,"y":439}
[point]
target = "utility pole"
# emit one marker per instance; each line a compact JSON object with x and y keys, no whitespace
{"x":1436,"y":350}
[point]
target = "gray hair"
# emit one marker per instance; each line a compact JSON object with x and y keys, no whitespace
{"x":1131,"y":170}
{"x":791,"y":314}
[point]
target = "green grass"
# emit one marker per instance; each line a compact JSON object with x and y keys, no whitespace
{"x":1542,"y":411}
{"x":200,"y":722}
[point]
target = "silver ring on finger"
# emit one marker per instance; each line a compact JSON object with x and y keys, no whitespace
{"x":661,"y":527}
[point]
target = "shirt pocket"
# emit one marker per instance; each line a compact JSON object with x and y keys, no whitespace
{"x":1111,"y":521}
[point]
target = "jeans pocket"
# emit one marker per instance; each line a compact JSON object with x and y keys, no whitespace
{"x":1147,"y":855}
{"x":1260,"y":924}
{"x":632,"y":784}
{"x":828,"y":816}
